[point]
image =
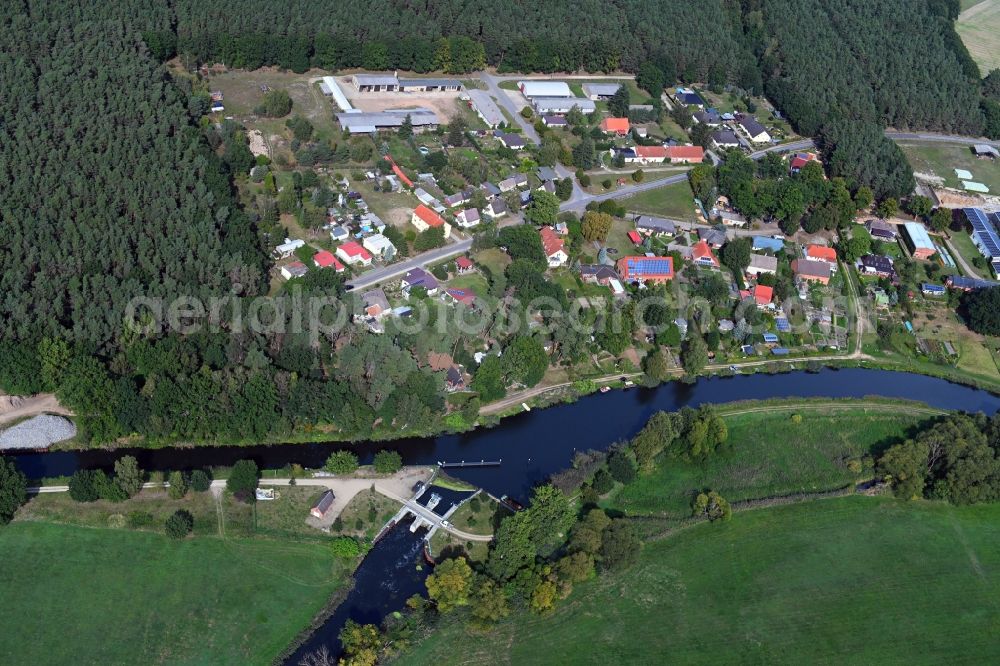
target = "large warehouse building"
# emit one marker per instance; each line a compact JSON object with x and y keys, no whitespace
{"x":532,"y":89}
{"x":368,"y":122}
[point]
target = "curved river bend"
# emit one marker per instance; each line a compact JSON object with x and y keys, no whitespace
{"x":532,"y":446}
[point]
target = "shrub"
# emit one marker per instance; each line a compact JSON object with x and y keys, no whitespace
{"x":622,"y":466}
{"x":603,"y":482}
{"x":178,"y":485}
{"x":179,"y":525}
{"x":342,"y":462}
{"x":81,"y":486}
{"x":200,"y":481}
{"x":139,"y":519}
{"x":242,"y":481}
{"x":796,"y":418}
{"x":13,"y":490}
{"x":346,"y":546}
{"x":607,"y":183}
{"x":116,"y":521}
{"x":388,"y":462}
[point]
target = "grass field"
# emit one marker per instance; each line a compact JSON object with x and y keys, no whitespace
{"x":103,"y":596}
{"x":673,"y":201}
{"x":770,"y":455}
{"x":942,"y":160}
{"x":848,"y":580}
{"x":979,"y":27}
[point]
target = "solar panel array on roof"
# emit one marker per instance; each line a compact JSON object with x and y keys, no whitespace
{"x":650,"y":266}
{"x":770,"y":338}
{"x":984,"y":232}
{"x":782,"y":324}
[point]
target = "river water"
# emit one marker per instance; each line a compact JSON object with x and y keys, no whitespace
{"x":532,"y":446}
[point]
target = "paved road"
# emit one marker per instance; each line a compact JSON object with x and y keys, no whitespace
{"x":387,"y":273}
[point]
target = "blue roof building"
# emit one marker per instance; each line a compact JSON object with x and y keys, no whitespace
{"x":984,"y":235}
{"x":768,"y":243}
{"x":770,"y":338}
{"x":932,"y":289}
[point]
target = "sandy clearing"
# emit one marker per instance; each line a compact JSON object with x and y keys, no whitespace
{"x":345,"y":489}
{"x":442,"y":103}
{"x":14,"y":407}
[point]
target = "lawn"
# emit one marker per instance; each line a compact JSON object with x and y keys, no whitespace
{"x":365,"y":515}
{"x":942,"y":160}
{"x":673,"y":201}
{"x":769,"y":455}
{"x":979,"y":27}
{"x":962,"y":243}
{"x":105,"y":596}
{"x":848,"y":580}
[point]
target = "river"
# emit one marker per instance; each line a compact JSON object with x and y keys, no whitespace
{"x":532,"y":446}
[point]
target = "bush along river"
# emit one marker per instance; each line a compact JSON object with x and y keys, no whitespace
{"x":531,"y":446}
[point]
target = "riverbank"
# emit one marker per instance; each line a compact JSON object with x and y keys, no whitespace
{"x":543,"y":397}
{"x":813,"y":580}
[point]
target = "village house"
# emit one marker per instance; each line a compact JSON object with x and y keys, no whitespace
{"x":688,"y":97}
{"x":496,"y":208}
{"x":762,"y":263}
{"x":454,"y":380}
{"x":296,"y":269}
{"x":881,"y":229}
{"x":821,"y":253}
{"x":542,"y":88}
{"x":418,"y":277}
{"x":753,"y":130}
{"x":702,"y":255}
{"x":374,"y":304}
{"x":466,"y":297}
{"x":339,"y":233}
{"x":597,"y":274}
{"x":424,"y":218}
{"x":685,"y":154}
{"x":646,"y":269}
{"x":644,"y":154}
{"x":616,"y":126}
{"x":325,"y":259}
{"x":763,"y":296}
{"x":729,"y":218}
{"x":464,"y":265}
{"x":715,"y":238}
{"x":458,"y":198}
{"x":353,"y":254}
{"x":811,"y":270}
{"x":513,"y":182}
{"x":799,"y":160}
{"x":555,"y":121}
{"x":509,"y":140}
{"x":322,"y":505}
{"x":467,"y":218}
{"x":286,"y":249}
{"x":655,"y":226}
{"x":379,"y":246}
{"x":708,"y":117}
{"x":553,"y":246}
{"x":725,"y":139}
{"x":873,"y":264}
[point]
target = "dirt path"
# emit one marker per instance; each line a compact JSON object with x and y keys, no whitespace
{"x":13,"y":408}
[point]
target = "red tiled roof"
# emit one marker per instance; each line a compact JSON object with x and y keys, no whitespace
{"x":656,"y":269}
{"x":325,"y":259}
{"x":353,"y":249}
{"x":822,"y":253}
{"x":634,"y":237}
{"x":701,"y":250}
{"x":427,"y":215}
{"x":690,"y":153}
{"x":463,"y":262}
{"x":615,"y":125}
{"x":650,"y":151}
{"x":763,"y":294}
{"x":550,"y":241}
